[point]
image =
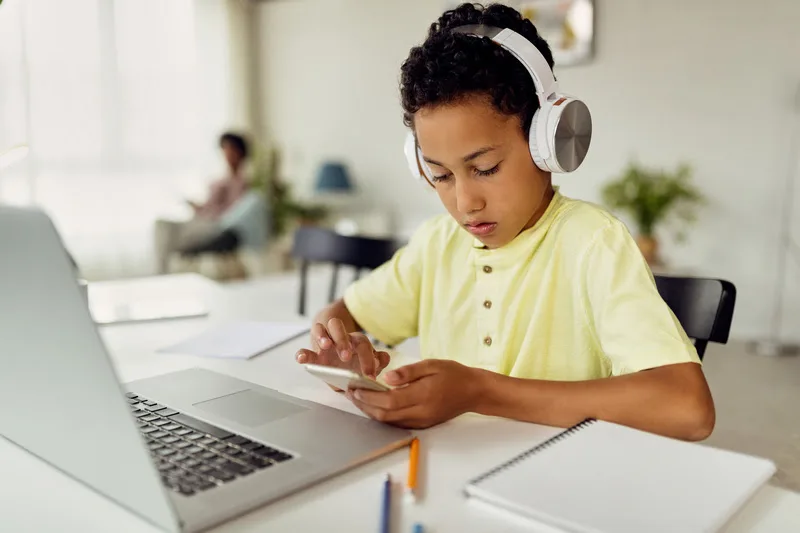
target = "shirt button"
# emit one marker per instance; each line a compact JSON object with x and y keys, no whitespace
{"x":487,"y":269}
{"x":487,"y":341}
{"x":487,"y":304}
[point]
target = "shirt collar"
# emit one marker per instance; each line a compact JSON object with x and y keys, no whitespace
{"x":527,"y":239}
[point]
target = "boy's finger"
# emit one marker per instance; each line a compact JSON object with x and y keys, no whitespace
{"x":304,"y":356}
{"x":340,"y":338}
{"x":409,"y":373}
{"x":366,"y":358}
{"x":320,"y":337}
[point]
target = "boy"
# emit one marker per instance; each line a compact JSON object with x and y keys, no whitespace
{"x":529,"y":305}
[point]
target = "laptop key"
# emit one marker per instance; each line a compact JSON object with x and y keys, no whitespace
{"x":182,"y":445}
{"x":168,"y":412}
{"x":149,"y":418}
{"x":186,"y":490}
{"x":208,"y":455}
{"x":162,"y":422}
{"x":233,"y":452}
{"x":207,"y":441}
{"x":148,"y":402}
{"x":190,"y":463}
{"x":169,"y":439}
{"x":133,"y":401}
{"x":205,"y":469}
{"x":199,"y":425}
{"x":148,"y":429}
{"x":222,"y":476}
{"x":158,"y":434}
{"x":219,"y":446}
{"x":131,"y":395}
{"x":195,"y":450}
{"x":164,"y":452}
{"x":281,"y":457}
{"x":205,"y":485}
{"x":172,"y":427}
{"x":242,"y":470}
{"x":153,"y":406}
{"x":182,"y":432}
{"x":139,"y":413}
{"x":252,"y":445}
{"x":257,"y":462}
{"x":194,"y":436}
{"x":237,"y":439}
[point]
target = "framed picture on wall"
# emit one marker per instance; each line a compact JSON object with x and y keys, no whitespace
{"x":566,"y":25}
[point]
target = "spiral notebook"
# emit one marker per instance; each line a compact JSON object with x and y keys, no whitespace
{"x":599,"y":477}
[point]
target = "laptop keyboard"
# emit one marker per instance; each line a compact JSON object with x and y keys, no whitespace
{"x":194,"y":456}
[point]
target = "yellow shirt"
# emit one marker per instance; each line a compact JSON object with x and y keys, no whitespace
{"x":569,"y":299}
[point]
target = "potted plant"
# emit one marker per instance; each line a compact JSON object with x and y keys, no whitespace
{"x":284,"y":209}
{"x":652,"y":198}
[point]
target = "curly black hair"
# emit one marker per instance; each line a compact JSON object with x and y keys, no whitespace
{"x":448,"y":67}
{"x":237,"y":141}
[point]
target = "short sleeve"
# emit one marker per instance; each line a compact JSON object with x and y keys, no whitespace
{"x":634,"y":327}
{"x":386,"y":301}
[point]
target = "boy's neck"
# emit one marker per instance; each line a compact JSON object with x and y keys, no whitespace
{"x":547,"y":197}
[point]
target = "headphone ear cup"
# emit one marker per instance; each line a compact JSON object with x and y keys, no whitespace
{"x":533,"y":142}
{"x":419,"y":170}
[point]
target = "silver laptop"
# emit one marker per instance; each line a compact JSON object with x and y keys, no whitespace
{"x":185,"y":450}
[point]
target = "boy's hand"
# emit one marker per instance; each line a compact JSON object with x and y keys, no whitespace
{"x":429,"y":393}
{"x":332,"y":345}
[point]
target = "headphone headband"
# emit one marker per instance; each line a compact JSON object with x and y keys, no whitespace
{"x":525,"y":52}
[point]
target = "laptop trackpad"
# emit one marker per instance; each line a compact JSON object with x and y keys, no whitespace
{"x":250,"y":408}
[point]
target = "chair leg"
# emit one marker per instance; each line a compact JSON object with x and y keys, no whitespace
{"x":302,"y":299}
{"x":334,"y":280}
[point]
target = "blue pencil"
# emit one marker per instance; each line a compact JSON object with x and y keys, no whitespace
{"x":387,"y":503}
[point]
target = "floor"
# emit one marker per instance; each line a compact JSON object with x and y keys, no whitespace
{"x":758,"y":406}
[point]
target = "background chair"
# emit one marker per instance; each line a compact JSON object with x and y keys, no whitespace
{"x":703,"y":306}
{"x":312,"y":244}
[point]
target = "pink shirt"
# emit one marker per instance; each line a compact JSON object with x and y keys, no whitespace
{"x":223,"y":195}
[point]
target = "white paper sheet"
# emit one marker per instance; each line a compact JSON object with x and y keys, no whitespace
{"x":241,"y":340}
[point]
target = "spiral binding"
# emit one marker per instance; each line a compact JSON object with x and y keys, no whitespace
{"x":536,"y":449}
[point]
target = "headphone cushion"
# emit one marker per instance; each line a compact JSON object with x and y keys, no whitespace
{"x":533,"y":143}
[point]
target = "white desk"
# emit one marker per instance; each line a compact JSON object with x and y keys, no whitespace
{"x":35,"y":497}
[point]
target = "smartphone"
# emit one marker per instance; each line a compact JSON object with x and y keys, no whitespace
{"x":345,"y":379}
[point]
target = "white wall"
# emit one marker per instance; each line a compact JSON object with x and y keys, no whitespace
{"x":710,"y":82}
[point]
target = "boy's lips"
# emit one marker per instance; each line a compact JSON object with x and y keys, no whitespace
{"x":480,"y":228}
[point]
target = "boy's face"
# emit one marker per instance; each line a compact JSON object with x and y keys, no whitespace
{"x":482,"y":167}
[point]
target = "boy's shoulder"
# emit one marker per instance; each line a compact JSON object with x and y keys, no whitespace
{"x":578,"y":222}
{"x":438,"y":230}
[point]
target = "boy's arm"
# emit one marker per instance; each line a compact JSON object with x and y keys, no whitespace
{"x":672,"y":400}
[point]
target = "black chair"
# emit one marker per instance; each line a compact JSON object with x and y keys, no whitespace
{"x":225,"y":246}
{"x":703,"y":306}
{"x":319,"y":245}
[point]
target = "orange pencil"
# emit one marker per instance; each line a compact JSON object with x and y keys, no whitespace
{"x":413,"y":464}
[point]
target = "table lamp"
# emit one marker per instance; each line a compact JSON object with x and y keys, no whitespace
{"x":333,"y":177}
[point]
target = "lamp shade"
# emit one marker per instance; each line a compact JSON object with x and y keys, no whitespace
{"x":333,"y":177}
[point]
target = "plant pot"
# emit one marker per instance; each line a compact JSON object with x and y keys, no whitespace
{"x":649,"y":248}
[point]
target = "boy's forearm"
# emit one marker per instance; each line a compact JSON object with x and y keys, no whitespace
{"x":338,"y":310}
{"x":671,"y":400}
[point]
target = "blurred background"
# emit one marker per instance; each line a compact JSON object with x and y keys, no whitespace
{"x":122,"y":103}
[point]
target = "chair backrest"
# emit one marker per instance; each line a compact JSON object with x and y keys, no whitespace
{"x":703,"y":306}
{"x":319,"y":245}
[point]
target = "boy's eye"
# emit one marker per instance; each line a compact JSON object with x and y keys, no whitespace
{"x":488,"y":172}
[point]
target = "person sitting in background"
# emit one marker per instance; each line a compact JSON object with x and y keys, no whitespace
{"x":172,"y":236}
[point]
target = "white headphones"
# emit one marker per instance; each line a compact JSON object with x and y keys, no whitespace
{"x":561,"y":129}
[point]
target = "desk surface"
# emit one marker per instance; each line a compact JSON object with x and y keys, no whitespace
{"x":42,"y":499}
